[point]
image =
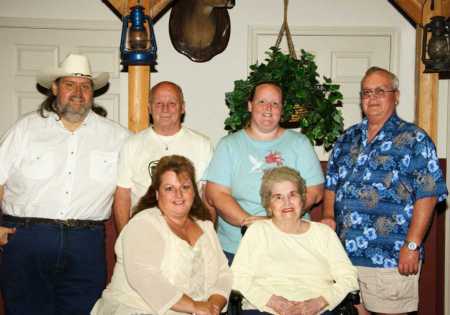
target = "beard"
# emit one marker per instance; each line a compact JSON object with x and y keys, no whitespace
{"x":73,"y":113}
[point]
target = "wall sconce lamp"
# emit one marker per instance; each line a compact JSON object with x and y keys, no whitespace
{"x":137,"y":43}
{"x":436,"y":45}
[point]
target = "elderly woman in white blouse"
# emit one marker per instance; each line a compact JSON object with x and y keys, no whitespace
{"x":169,"y":260}
{"x":288,"y":265}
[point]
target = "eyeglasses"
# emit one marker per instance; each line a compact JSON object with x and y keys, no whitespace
{"x":377,"y":93}
{"x":285,"y":198}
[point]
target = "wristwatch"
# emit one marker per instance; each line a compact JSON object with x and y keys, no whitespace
{"x":410,"y":245}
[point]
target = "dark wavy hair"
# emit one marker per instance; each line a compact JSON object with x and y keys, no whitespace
{"x":49,"y":105}
{"x":180,"y":166}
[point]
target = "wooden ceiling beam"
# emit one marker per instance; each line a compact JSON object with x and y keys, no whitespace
{"x":158,"y":7}
{"x":412,"y":8}
{"x":152,"y":7}
{"x":446,"y":8}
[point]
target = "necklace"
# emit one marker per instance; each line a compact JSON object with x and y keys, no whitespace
{"x":165,"y":139}
{"x":164,"y":144}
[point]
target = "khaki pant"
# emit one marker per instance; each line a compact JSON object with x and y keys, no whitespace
{"x":385,"y":290}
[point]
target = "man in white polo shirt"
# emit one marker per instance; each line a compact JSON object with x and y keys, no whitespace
{"x":58,"y":168}
{"x":166,"y":136}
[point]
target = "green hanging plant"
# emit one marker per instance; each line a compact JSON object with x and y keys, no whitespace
{"x":308,"y":104}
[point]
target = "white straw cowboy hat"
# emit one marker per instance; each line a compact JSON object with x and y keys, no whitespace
{"x":72,"y":66}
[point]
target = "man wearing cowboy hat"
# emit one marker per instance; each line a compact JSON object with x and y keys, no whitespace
{"x":57,"y":178}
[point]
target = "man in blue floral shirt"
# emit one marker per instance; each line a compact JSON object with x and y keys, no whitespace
{"x":382,"y":185}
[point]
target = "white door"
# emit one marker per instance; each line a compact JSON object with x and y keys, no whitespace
{"x":27,"y":49}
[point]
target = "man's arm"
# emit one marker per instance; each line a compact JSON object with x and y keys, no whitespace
{"x":328,"y":209}
{"x":408,"y":262}
{"x":122,"y":207}
{"x":4,"y":231}
{"x":314,"y":195}
{"x":220,"y":198}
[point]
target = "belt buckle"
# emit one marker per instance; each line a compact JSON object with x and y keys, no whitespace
{"x":70,"y":223}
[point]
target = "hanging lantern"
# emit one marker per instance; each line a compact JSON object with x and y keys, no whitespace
{"x":436,"y":45}
{"x":137,"y":43}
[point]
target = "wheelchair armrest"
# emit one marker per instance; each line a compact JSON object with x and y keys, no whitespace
{"x":235,"y":303}
{"x":354,"y":297}
{"x":347,"y":306}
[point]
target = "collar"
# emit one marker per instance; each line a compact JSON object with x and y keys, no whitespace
{"x":53,"y":120}
{"x":175,"y":135}
{"x":392,"y":122}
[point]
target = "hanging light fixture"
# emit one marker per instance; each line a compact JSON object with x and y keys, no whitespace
{"x":436,"y":45}
{"x":137,"y":43}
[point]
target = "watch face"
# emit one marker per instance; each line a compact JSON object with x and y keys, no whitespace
{"x":412,"y":246}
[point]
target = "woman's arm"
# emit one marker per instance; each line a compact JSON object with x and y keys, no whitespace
{"x":224,"y":278}
{"x":314,"y":195}
{"x":245,"y":267}
{"x":143,"y":251}
{"x":311,"y":306}
{"x":218,"y":302}
{"x":187,"y":305}
{"x":220,"y":271}
{"x":220,"y":198}
{"x":343,"y":272}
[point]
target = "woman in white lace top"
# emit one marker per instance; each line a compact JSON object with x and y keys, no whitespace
{"x":169,"y":260}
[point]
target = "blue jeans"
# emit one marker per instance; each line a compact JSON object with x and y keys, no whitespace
{"x":51,"y":269}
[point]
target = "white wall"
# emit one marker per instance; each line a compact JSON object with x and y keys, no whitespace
{"x":205,"y":83}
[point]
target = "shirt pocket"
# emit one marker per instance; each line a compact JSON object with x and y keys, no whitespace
{"x":39,"y":165}
{"x":103,"y":166}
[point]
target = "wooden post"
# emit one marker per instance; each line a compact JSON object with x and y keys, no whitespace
{"x":138,"y":76}
{"x":138,"y":88}
{"x":413,"y":8}
{"x":426,"y":83}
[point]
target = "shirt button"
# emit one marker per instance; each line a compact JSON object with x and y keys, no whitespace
{"x":72,"y":152}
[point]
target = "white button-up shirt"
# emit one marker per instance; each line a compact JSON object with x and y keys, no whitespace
{"x":50,"y":172}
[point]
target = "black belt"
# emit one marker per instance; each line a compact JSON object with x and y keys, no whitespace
{"x":70,"y":223}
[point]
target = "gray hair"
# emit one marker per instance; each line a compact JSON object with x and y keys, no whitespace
{"x":392,"y":77}
{"x":277,"y":175}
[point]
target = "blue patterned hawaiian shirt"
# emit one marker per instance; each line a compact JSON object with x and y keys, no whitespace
{"x":376,"y":185}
